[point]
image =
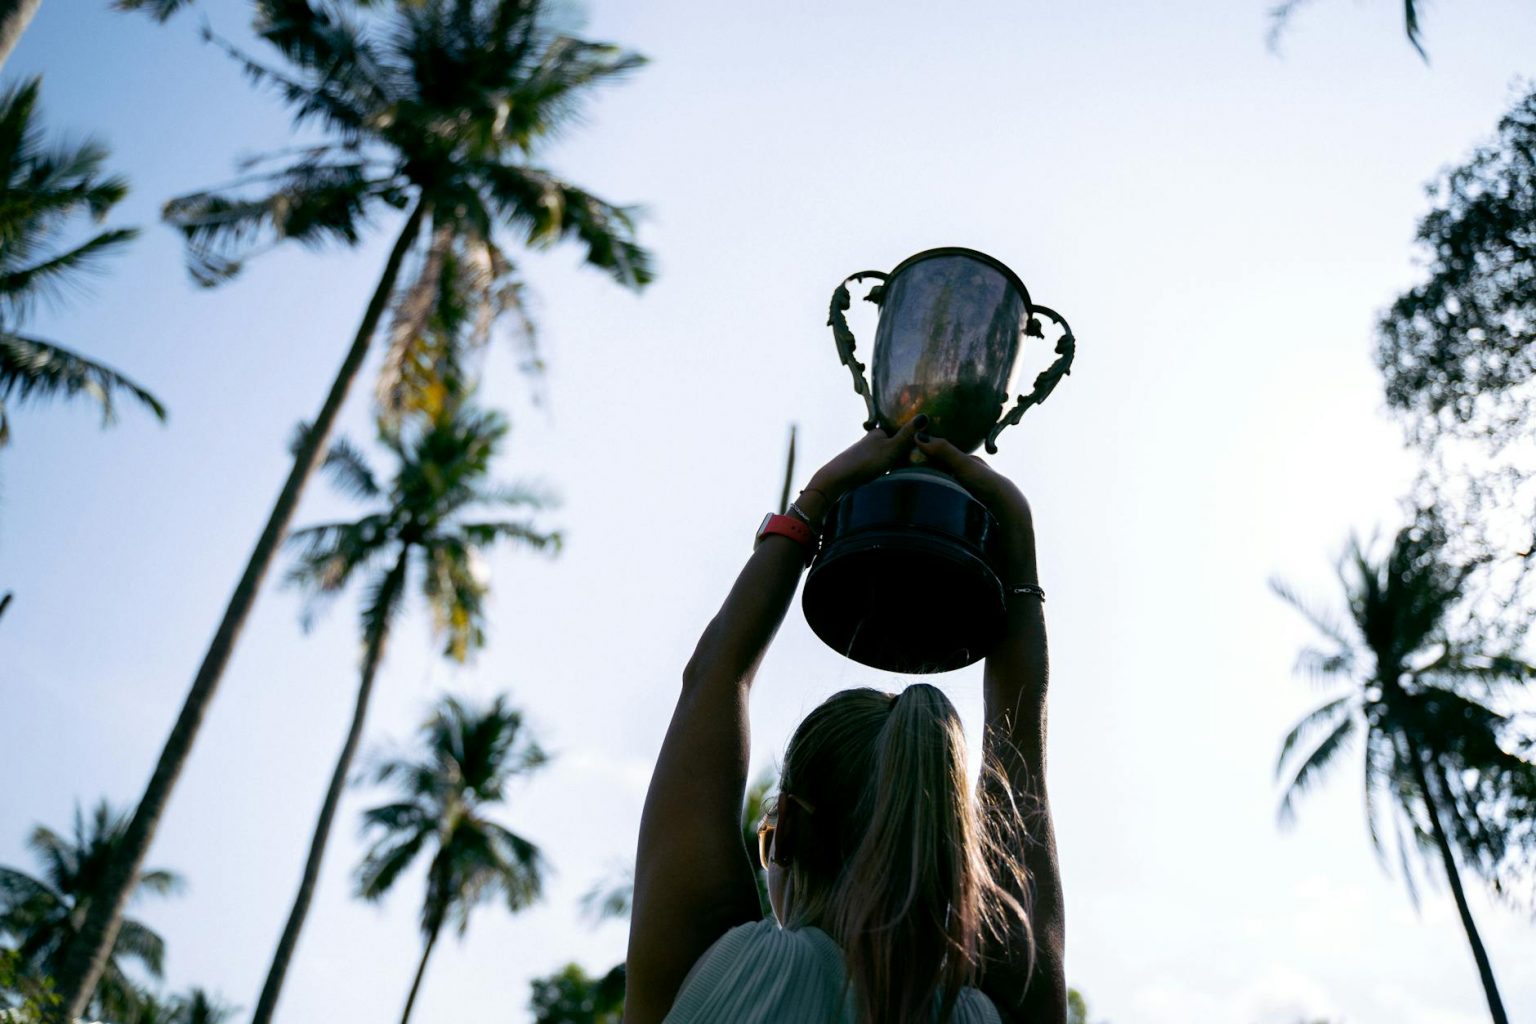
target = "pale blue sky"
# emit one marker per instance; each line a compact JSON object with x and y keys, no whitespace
{"x":1219,"y":224}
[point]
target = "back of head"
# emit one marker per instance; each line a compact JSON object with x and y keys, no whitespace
{"x":897,"y":864}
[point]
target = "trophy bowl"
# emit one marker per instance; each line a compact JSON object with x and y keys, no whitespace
{"x":907,"y":578}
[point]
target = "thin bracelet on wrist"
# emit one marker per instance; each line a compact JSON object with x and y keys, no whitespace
{"x":1031,"y":589}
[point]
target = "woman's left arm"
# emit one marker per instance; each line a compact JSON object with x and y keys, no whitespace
{"x":693,"y":877}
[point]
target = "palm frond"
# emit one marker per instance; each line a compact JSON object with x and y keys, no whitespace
{"x":331,"y":554}
{"x":1308,"y":722}
{"x":382,"y":598}
{"x":455,"y":585}
{"x":22,"y":286}
{"x":385,"y":861}
{"x":548,"y":211}
{"x":160,"y":10}
{"x":332,"y":51}
{"x":1280,"y":19}
{"x":138,"y":943}
{"x":32,"y":369}
{"x":336,"y":96}
{"x":410,"y":378}
{"x":1318,"y":761}
{"x":1321,"y":621}
{"x":313,"y":203}
{"x":523,"y":494}
{"x":610,"y":898}
{"x":1323,"y":667}
{"x":161,"y":883}
{"x":349,"y":472}
{"x":480,"y":534}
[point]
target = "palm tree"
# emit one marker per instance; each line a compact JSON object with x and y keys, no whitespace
{"x":41,"y":914}
{"x":437,"y":108}
{"x":42,"y":188}
{"x":427,"y":526}
{"x":468,"y":756}
{"x":1419,"y":693}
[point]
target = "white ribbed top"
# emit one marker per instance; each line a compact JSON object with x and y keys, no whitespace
{"x":762,"y":974}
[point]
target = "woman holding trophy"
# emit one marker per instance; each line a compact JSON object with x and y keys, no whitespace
{"x":899,"y":894}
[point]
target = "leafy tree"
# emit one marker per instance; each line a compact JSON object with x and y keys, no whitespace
{"x":25,"y":998}
{"x":196,"y":1007}
{"x":1457,"y":351}
{"x":1280,"y":19}
{"x":1441,"y":762}
{"x":43,"y":188}
{"x":430,"y":525}
{"x":39,"y":915}
{"x":439,"y":109}
{"x":570,"y":996}
{"x":468,"y":755}
{"x":1077,"y":1008}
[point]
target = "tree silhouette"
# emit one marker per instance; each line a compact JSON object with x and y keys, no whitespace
{"x":43,"y":188}
{"x":429,"y":526}
{"x":467,"y":758}
{"x":1441,"y":763}
{"x":40,"y":914}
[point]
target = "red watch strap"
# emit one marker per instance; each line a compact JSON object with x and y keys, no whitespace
{"x":794,"y":529}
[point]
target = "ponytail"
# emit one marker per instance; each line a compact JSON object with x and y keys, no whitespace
{"x":911,"y":889}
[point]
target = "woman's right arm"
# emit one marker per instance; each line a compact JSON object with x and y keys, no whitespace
{"x":1014,"y":688}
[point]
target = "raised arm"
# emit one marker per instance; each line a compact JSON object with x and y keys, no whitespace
{"x":1014,"y":688}
{"x":693,"y":877}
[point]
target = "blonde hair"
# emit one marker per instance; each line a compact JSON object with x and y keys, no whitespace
{"x":898,"y":862}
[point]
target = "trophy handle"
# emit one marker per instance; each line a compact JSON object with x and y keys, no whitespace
{"x":843,"y":335}
{"x":1066,"y":348}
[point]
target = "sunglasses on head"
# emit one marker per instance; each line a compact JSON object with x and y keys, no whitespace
{"x":770,"y":821}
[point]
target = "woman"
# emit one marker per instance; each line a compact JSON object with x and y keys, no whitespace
{"x":898,"y":898}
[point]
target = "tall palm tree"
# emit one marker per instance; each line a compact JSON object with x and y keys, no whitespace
{"x":468,"y":755}
{"x":1439,"y":758}
{"x":437,"y":108}
{"x":39,"y":915}
{"x":43,"y":188}
{"x":429,"y":527}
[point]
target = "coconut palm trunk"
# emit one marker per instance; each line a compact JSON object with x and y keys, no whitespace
{"x":15,"y":15}
{"x":87,"y":956}
{"x":421,"y":969}
{"x":266,"y":1005}
{"x":1453,"y":876}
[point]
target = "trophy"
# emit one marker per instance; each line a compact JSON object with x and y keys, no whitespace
{"x":907,"y":576}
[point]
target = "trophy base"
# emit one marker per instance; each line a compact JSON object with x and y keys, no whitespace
{"x":905,"y":579}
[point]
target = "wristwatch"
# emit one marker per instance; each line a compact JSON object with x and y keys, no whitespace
{"x":788,"y":526}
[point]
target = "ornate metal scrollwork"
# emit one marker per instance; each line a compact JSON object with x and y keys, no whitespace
{"x":843,"y":335}
{"x":1046,"y":382}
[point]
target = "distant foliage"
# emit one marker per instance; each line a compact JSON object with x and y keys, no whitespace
{"x":1457,"y":350}
{"x":570,"y":996}
{"x":24,"y":998}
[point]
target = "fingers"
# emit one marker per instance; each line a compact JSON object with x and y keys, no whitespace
{"x":907,"y":435}
{"x":944,"y":455}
